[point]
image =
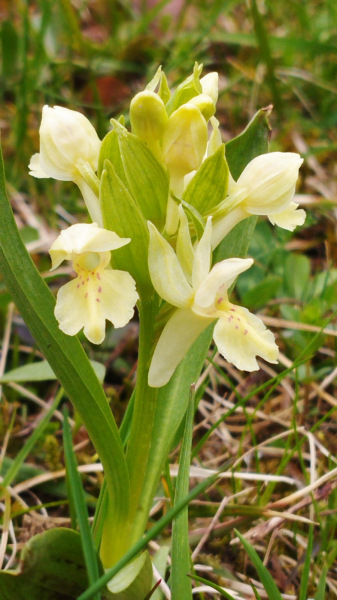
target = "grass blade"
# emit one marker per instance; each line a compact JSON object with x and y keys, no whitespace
{"x":306,"y":569}
{"x":320,"y":593}
{"x":265,"y":577}
{"x":181,"y":586}
{"x":77,"y":494}
{"x":216,"y":587}
{"x":21,"y":457}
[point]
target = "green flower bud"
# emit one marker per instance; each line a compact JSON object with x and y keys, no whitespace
{"x":205,"y":105}
{"x":185,"y":140}
{"x":148,"y":119}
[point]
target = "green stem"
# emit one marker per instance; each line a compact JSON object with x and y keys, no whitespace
{"x":143,"y":416}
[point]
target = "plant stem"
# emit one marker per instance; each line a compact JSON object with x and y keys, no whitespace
{"x":143,"y":415}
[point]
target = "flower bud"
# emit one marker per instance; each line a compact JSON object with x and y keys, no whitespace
{"x":269,"y":182}
{"x":148,"y":119}
{"x":67,"y":139}
{"x":205,"y":105}
{"x":185,"y":140}
{"x":210,"y":86}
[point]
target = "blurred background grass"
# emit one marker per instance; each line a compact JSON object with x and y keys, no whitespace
{"x":93,"y":56}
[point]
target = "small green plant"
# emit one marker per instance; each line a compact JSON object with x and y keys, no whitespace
{"x":173,"y":210}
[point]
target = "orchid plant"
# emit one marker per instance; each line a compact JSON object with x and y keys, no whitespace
{"x":164,"y":204}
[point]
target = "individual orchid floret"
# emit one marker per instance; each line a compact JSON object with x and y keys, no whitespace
{"x":265,"y":187}
{"x":148,"y":120}
{"x":200,"y":294}
{"x":184,"y":146}
{"x":98,"y":293}
{"x":69,"y":150}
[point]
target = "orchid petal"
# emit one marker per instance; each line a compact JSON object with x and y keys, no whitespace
{"x":81,"y":238}
{"x":241,"y":336}
{"x":35,"y":168}
{"x":90,"y":299}
{"x":166,"y":273}
{"x":177,"y":337}
{"x":289,"y":218}
{"x":223,"y":274}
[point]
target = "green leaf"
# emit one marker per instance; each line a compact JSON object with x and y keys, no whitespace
{"x":209,"y":185}
{"x":68,"y":361}
{"x":134,"y":581}
{"x":180,"y":583}
{"x":77,"y":494}
{"x":260,"y":294}
{"x":252,"y":142}
{"x":216,"y":587}
{"x":196,"y":218}
{"x":110,"y":151}
{"x":265,"y":577}
{"x":122,"y":215}
{"x":147,"y":180}
{"x":160,"y":81}
{"x":42,"y":371}
{"x":297,"y":276}
{"x":187,"y":90}
{"x":51,"y":568}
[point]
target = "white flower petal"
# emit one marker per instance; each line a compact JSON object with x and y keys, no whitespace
{"x":166,"y":273}
{"x":84,"y":237}
{"x":210,"y":85}
{"x":66,"y":136}
{"x":116,"y":291}
{"x":202,"y":256}
{"x":223,"y":274}
{"x":241,"y":336}
{"x":269,"y":180}
{"x":177,"y":337}
{"x":35,"y":168}
{"x":215,"y":140}
{"x":272,"y":206}
{"x":289,"y":218}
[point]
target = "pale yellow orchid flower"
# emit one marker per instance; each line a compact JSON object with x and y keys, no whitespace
{"x":98,"y":292}
{"x":186,"y":280}
{"x":69,"y":151}
{"x":265,"y":187}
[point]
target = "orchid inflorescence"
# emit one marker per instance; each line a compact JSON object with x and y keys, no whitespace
{"x":174,"y":138}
